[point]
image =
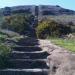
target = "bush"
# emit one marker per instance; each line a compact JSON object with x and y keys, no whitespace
{"x":2,"y":37}
{"x":4,"y":52}
{"x":46,"y":28}
{"x":19,"y":23}
{"x":51,"y":28}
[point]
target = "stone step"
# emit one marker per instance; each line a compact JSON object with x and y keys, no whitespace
{"x":27,"y":63}
{"x":27,"y":42}
{"x":24,"y":72}
{"x":28,"y":55}
{"x":27,"y":48}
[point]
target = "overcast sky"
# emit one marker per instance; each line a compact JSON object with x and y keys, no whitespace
{"x":70,"y":4}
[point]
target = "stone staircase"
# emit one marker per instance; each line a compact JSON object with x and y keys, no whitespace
{"x":27,"y":59}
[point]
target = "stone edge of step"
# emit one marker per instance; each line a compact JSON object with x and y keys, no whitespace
{"x":25,"y":70}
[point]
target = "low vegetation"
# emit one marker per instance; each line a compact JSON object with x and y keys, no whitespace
{"x":61,"y":18}
{"x":2,"y":37}
{"x":60,"y":34}
{"x":44,"y":28}
{"x":68,"y":44}
{"x":4,"y":51}
{"x":51,"y":28}
{"x":19,"y":23}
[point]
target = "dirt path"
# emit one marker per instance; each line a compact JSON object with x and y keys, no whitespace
{"x":60,"y":60}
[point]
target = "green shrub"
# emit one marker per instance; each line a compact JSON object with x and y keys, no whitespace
{"x":18,"y":23}
{"x":2,"y":37}
{"x":47,"y":28}
{"x":4,"y":52}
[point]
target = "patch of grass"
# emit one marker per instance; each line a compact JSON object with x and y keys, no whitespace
{"x":68,"y":44}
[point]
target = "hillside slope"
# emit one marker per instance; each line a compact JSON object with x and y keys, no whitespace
{"x":38,"y":10}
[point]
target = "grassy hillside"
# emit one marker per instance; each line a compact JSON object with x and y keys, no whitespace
{"x":64,"y":18}
{"x":61,"y":18}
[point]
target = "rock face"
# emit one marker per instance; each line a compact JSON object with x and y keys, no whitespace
{"x":60,"y":61}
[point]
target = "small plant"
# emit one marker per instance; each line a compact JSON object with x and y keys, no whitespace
{"x":4,"y":52}
{"x":3,"y":37}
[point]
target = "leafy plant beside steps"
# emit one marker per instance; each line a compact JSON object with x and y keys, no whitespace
{"x":4,"y":52}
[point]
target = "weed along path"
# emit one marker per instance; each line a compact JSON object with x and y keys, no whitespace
{"x":27,"y":58}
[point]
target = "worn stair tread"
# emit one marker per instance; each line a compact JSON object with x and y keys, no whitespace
{"x":27,"y":63}
{"x":30,"y":49}
{"x":28,"y":52}
{"x":26,"y":70}
{"x":28,"y":55}
{"x":25,"y":46}
{"x":32,"y":60}
{"x":28,"y":41}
